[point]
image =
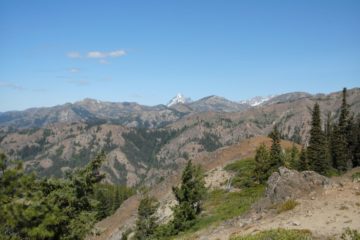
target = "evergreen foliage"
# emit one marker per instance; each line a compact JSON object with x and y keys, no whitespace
{"x":276,"y":156}
{"x":189,"y":197}
{"x":210,"y":142}
{"x":344,"y":138}
{"x":339,"y":150}
{"x":356,"y":150}
{"x":317,"y":152}
{"x":303,"y":161}
{"x":293,"y":157}
{"x":110,"y":198}
{"x":146,"y":222}
{"x":32,"y":208}
{"x":261,"y":171}
{"x":142,"y":145}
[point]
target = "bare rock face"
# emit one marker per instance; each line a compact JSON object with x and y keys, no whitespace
{"x":287,"y":184}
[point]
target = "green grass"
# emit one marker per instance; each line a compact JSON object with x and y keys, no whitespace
{"x":220,"y":205}
{"x":244,"y":170}
{"x":278,"y":234}
{"x":356,"y":176}
{"x":287,"y":206}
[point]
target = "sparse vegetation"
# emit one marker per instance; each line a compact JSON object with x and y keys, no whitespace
{"x":110,"y":198}
{"x":356,"y":176}
{"x":142,"y":145}
{"x":210,"y":142}
{"x":220,"y":205}
{"x":278,"y":234}
{"x":146,"y":222}
{"x":286,"y":206}
{"x":244,"y":170}
{"x":350,"y":234}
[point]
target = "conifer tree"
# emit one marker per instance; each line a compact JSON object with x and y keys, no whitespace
{"x":356,"y":151}
{"x":189,"y":196}
{"x":317,"y":152}
{"x":294,"y":157}
{"x":344,"y":114}
{"x":32,"y":208}
{"x":146,"y":222}
{"x":342,"y":140}
{"x":328,"y":127}
{"x":117,"y":200}
{"x":339,"y":151}
{"x":303,"y":161}
{"x":261,"y":171}
{"x":276,"y":156}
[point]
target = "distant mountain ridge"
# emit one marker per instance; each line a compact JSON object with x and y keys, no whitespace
{"x":132,"y":114}
{"x":144,"y":143}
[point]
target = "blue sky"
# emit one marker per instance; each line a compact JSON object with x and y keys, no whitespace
{"x":54,"y":52}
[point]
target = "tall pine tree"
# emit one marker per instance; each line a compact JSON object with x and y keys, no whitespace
{"x":276,"y":156}
{"x":341,"y":143}
{"x":189,"y":196}
{"x":317,"y":152}
{"x":146,"y":222}
{"x":303,"y":161}
{"x":261,"y":171}
{"x":356,"y":151}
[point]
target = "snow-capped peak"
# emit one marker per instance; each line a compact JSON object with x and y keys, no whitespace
{"x":179,"y":98}
{"x":256,"y":101}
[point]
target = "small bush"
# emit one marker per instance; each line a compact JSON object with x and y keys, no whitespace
{"x":278,"y":234}
{"x":356,"y":176}
{"x":287,"y":206}
{"x":244,"y":170}
{"x":350,"y":234}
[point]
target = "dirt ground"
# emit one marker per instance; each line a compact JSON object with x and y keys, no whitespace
{"x":326,"y":213}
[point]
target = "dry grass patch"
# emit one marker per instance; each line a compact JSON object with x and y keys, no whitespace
{"x":286,"y":206}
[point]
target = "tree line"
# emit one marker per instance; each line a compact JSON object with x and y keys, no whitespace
{"x":333,"y":147}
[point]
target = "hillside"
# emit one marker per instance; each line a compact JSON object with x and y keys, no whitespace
{"x":149,"y":153}
{"x":124,"y":218}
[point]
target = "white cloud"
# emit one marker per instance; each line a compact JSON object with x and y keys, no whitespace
{"x":74,"y":70}
{"x":117,"y":53}
{"x":96,"y":54}
{"x":100,"y":54}
{"x":74,"y":55}
{"x":11,"y":86}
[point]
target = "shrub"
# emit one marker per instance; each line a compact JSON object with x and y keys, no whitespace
{"x":287,"y":206}
{"x":350,"y":234}
{"x":278,"y":234}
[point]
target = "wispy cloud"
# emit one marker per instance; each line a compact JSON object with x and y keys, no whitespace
{"x":101,"y":55}
{"x":73,"y":55}
{"x":78,"y":82}
{"x":11,"y":86}
{"x":74,"y":70}
{"x":96,"y":54}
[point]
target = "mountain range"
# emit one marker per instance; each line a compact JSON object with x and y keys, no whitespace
{"x":129,"y":114}
{"x":147,"y":143}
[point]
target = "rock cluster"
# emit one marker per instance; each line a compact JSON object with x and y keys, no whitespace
{"x":288,"y":184}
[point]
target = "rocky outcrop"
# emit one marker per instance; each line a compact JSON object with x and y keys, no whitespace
{"x":288,"y":184}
